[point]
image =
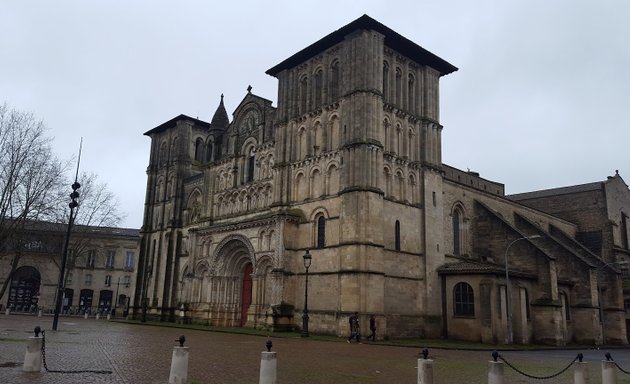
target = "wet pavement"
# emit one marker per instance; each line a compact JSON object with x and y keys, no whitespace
{"x":139,"y":353}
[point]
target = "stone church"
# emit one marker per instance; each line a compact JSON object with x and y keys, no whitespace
{"x":347,"y":169}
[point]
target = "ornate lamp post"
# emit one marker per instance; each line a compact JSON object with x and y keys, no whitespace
{"x":508,"y":305}
{"x":307,"y":263}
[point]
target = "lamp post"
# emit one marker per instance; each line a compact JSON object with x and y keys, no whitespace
{"x":508,"y":305}
{"x":307,"y":263}
{"x":599,"y":297}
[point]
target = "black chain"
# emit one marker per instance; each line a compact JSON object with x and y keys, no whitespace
{"x":609,"y":358}
{"x":64,"y":371}
{"x":538,"y":377}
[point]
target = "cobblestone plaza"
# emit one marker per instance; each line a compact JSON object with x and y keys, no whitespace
{"x":141,"y":354}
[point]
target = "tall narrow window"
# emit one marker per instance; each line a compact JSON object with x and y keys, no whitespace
{"x":463,"y":300}
{"x":129,"y":262}
{"x":317,"y":92}
{"x":397,"y":235}
{"x":127,"y":281}
{"x":411,"y":94}
{"x":109,"y":263}
{"x":385,"y":81}
{"x":321,"y":232}
{"x":303,"y":99}
{"x":199,"y":150}
{"x":624,"y":230}
{"x":399,"y":90}
{"x":209,"y":151}
{"x":91,"y":259}
{"x":456,"y":234}
{"x":108,"y":280}
{"x":88,"y":279}
{"x":335,"y":80}
{"x":250,"y":165}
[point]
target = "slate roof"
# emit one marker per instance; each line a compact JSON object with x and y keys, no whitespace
{"x":392,"y":40}
{"x":171,"y":123}
{"x":220,"y":119}
{"x":556,"y":191}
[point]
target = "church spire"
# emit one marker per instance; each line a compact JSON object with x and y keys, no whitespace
{"x":220,"y":119}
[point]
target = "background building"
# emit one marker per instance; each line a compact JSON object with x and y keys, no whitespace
{"x":100,"y":272}
{"x":348,"y":168}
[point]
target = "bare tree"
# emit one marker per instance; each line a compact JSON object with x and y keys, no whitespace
{"x":29,"y":179}
{"x":35,"y":186}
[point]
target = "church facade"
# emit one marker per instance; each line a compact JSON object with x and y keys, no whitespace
{"x":347,"y":168}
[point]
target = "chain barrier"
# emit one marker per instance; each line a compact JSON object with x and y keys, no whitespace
{"x":609,"y":358}
{"x":496,"y":355}
{"x":65,"y":371}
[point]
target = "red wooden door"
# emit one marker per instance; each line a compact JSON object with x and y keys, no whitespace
{"x":246,"y":296}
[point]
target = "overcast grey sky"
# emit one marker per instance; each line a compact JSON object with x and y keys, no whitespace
{"x":540,"y":99}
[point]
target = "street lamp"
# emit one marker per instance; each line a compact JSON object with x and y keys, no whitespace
{"x":307,"y":263}
{"x":599,"y":297}
{"x":510,"y":336}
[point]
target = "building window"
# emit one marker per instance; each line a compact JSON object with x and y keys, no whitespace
{"x":108,"y":280}
{"x":69,"y":278}
{"x":209,"y":151}
{"x":526,"y":298}
{"x":91,"y":259}
{"x":463,"y":300}
{"x":626,"y":304}
{"x":411,"y":93}
{"x":456,"y":233}
{"x":88,"y":279}
{"x":565,"y":306}
{"x":199,"y":150}
{"x":335,"y":80}
{"x":321,"y":232}
{"x":397,"y":235}
{"x":109,"y":263}
{"x":319,"y":84}
{"x":399,"y":90}
{"x":302,"y":96}
{"x":127,"y":281}
{"x":385,"y":81}
{"x":129,"y":262}
{"x":251,"y":161}
{"x":624,"y":230}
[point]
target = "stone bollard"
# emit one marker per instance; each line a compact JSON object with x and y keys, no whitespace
{"x":495,"y":370}
{"x":425,"y":368}
{"x":179,"y":363}
{"x":268,"y":365}
{"x":109,"y":317}
{"x":98,"y":316}
{"x":7,"y":311}
{"x":39,"y":313}
{"x":33,"y":355}
{"x":580,"y":372}
{"x":609,"y":370}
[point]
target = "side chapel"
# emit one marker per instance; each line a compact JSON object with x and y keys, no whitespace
{"x":348,"y":168}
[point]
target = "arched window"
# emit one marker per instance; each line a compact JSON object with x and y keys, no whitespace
{"x":385,"y":81}
{"x":251,"y":160}
{"x":398,"y":87}
{"x":335,"y":80}
{"x":456,"y":234}
{"x":463,"y":300}
{"x":397,"y":235}
{"x":209,"y":151}
{"x":303,"y":99}
{"x":319,"y":84}
{"x":321,"y":232}
{"x":411,"y":93}
{"x":199,"y":150}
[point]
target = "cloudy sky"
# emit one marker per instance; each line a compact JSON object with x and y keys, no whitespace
{"x":541,"y":98}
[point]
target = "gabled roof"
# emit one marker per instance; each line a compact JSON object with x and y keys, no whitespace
{"x":171,"y":123}
{"x":556,"y":191}
{"x":392,"y":39}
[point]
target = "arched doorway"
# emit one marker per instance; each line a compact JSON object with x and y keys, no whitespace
{"x":24,"y":290}
{"x":246,"y":293}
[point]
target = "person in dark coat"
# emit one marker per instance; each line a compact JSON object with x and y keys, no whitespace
{"x":354,"y":328}
{"x":372,"y":328}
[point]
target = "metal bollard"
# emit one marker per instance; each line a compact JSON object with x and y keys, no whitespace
{"x":495,"y":370}
{"x":179,"y":363}
{"x":580,"y":372}
{"x":609,"y":370}
{"x":33,"y":355}
{"x":268,"y":365}
{"x":425,"y":368}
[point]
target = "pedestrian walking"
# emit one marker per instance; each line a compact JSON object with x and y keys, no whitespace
{"x":354,"y":328}
{"x":372,"y":328}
